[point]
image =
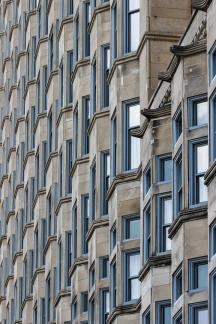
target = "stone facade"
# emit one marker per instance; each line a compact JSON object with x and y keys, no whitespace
{"x":107,"y":161}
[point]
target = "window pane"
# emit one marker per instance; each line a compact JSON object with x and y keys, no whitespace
{"x":135,"y":288}
{"x":203,"y":193}
{"x":167,"y":211}
{"x":134,"y":31}
{"x":134,"y":264}
{"x":202,"y":113}
{"x":134,"y":116}
{"x":167,"y":315}
{"x":168,"y":241}
{"x":107,"y":302}
{"x":167,"y":170}
{"x":202,"y":158}
{"x":134,"y":4}
{"x":202,"y":276}
{"x":203,"y":316}
{"x":134,"y":152}
{"x":134,"y":229}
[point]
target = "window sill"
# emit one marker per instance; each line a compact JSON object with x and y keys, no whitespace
{"x":191,"y":128}
{"x":198,"y":290}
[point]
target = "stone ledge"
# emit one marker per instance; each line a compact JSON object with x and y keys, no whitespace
{"x":155,"y":261}
{"x":123,"y":310}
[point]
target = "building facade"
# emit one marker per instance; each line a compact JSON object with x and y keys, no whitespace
{"x":107,"y":161}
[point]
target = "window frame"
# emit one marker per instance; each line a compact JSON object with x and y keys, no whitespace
{"x":105,"y":180}
{"x":147,"y":212}
{"x":178,"y":179}
{"x":160,"y":159}
{"x":192,"y":102}
{"x":127,"y":278}
{"x":86,"y":108}
{"x":146,"y":173}
{"x":212,"y":299}
{"x":86,"y":35}
{"x":125,"y":220}
{"x":126,"y":27}
{"x":212,"y":126}
{"x":175,"y":122}
{"x":105,"y":68}
{"x":175,"y":287}
{"x":146,"y":316}
{"x":193,"y":175}
{"x":212,"y":52}
{"x":103,"y":305}
{"x":192,"y":266}
{"x":212,"y":240}
{"x":160,"y":306}
{"x":193,"y":310}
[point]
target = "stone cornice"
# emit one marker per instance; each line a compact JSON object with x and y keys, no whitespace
{"x":26,"y":300}
{"x":37,"y":272}
{"x":63,"y":111}
{"x":84,"y":159}
{"x":155,"y":261}
{"x":19,"y":120}
{"x":2,"y":238}
{"x":201,"y":4}
{"x":100,"y":114}
{"x":167,"y":75}
{"x":78,"y":262}
{"x":2,"y":298}
{"x":123,"y":310}
{"x":64,"y":21}
{"x":140,"y":131}
{"x":51,"y":76}
{"x":124,"y":177}
{"x":7,"y":2}
{"x":210,"y":173}
{"x":9,"y":277}
{"x":17,"y":254}
{"x":39,"y":116}
{"x":97,"y":223}
{"x":29,"y":14}
{"x":11,"y":150}
{"x":13,"y":87}
{"x":29,"y":83}
{"x":61,"y":294}
{"x":187,"y":215}
{"x":6,"y":117}
{"x":157,"y":113}
{"x":28,"y":225}
{"x":191,"y":49}
{"x":99,"y":9}
{"x":40,"y":192}
{"x":22,"y":53}
{"x":4,"y":177}
{"x":11,"y":213}
{"x":42,"y":40}
{"x":51,"y":238}
{"x":52,"y":155}
{"x":7,"y":59}
{"x":62,"y":201}
{"x":79,"y":64}
{"x":18,"y":187}
{"x":13,"y":27}
{"x":28,"y":154}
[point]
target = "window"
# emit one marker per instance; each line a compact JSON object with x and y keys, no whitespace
{"x":212,"y":62}
{"x":198,"y":166}
{"x":38,"y":94}
{"x":213,"y":296}
{"x":104,"y":267}
{"x":44,"y":88}
{"x":74,"y":231}
{"x":49,"y":214}
{"x":131,"y":144}
{"x":177,"y":124}
{"x":113,"y":145}
{"x":49,"y":138}
{"x":91,"y":276}
{"x":44,"y":160}
{"x":69,"y":7}
{"x":164,"y":171}
{"x":68,"y":166}
{"x":114,"y":30}
{"x":94,"y":86}
{"x":32,"y":127}
{"x":37,"y":172}
{"x":60,"y":170}
{"x":131,"y":228}
{"x":85,"y":222}
{"x":147,"y":232}
{"x":212,"y":126}
{"x":198,"y":273}
{"x":105,"y":183}
{"x":50,"y":52}
{"x":61,"y":84}
{"x":33,"y":57}
{"x":42,"y":311}
{"x":43,"y":240}
{"x":45,"y":18}
{"x":146,"y":318}
{"x":92,"y":311}
{"x":198,"y":313}
{"x":84,"y":302}
{"x":104,"y":306}
{"x":35,"y":313}
{"x":69,"y":76}
{"x":212,"y":239}
{"x":198,"y":111}
{"x":74,"y":310}
{"x":75,"y":134}
{"x":178,"y":318}
{"x":147,"y":179}
{"x":48,"y":298}
{"x":163,"y":312}
{"x":105,"y":72}
{"x":164,"y":219}
{"x":86,"y":121}
{"x":61,"y":9}
{"x":177,"y":284}
{"x":113,"y":237}
{"x":93,"y":192}
{"x":113,"y":285}
{"x":59,"y":267}
{"x":132,"y":266}
{"x":86,"y":35}
{"x":68,"y":256}
{"x":177,"y":183}
{"x":131,"y":25}
{"x":76,"y":39}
